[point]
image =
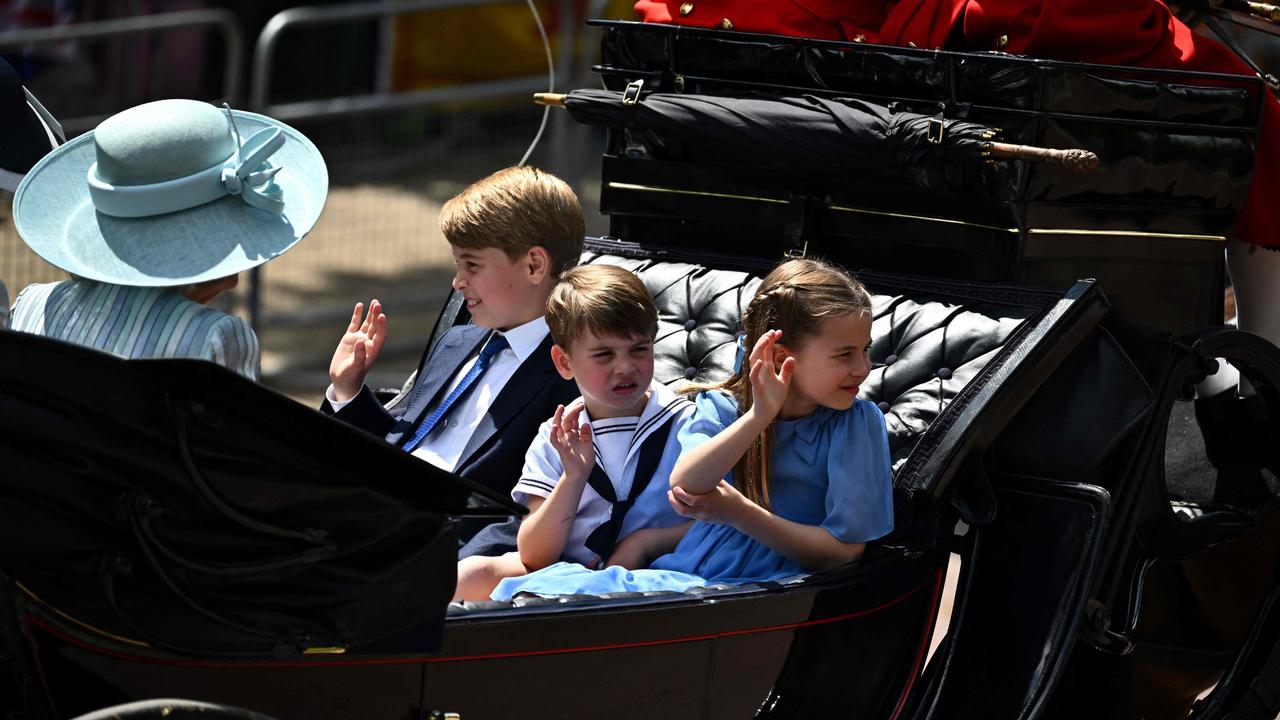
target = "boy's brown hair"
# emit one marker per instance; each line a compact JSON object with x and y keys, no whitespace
{"x":515,"y":209}
{"x":601,"y":299}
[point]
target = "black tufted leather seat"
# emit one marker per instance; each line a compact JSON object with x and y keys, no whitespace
{"x":943,"y":354}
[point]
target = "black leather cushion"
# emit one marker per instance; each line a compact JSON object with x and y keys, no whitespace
{"x":924,"y":351}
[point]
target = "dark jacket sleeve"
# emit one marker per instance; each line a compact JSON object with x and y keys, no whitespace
{"x":364,"y":411}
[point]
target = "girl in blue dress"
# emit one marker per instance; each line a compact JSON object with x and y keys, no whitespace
{"x":783,"y":470}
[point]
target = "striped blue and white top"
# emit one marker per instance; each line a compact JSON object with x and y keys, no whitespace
{"x":136,"y":322}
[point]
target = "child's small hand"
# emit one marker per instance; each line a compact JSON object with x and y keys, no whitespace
{"x":722,"y":505}
{"x":769,"y":382}
{"x":357,"y":350}
{"x":572,"y":442}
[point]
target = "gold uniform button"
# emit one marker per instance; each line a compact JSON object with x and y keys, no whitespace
{"x":726,"y":24}
{"x":1002,"y":41}
{"x":686,"y":8}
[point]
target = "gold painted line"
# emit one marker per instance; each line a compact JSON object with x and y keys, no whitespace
{"x":82,"y":624}
{"x":699,"y":193}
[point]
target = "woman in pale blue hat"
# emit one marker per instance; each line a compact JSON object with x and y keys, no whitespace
{"x":154,"y":214}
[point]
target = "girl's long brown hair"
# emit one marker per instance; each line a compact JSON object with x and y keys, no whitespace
{"x":795,"y":297}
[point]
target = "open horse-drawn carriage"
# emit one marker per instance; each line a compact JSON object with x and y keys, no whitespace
{"x":168,"y":529}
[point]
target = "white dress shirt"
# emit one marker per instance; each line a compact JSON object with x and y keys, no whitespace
{"x":443,"y":447}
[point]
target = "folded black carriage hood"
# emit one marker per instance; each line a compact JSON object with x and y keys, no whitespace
{"x":167,"y":499}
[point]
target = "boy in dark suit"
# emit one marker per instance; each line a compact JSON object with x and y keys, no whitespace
{"x":478,"y":398}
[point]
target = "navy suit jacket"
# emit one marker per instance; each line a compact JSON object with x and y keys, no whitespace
{"x":495,"y":454}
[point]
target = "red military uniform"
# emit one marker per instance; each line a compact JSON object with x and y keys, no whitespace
{"x":1142,"y":33}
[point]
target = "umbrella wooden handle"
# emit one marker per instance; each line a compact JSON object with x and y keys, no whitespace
{"x":1078,"y":160}
{"x":552,"y":99}
{"x":1261,"y":10}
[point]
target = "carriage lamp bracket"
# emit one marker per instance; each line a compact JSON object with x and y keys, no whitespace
{"x":631,"y":95}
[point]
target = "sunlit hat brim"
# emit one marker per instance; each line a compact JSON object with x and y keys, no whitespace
{"x":55,"y":216}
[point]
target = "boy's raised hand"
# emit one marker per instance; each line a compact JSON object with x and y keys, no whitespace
{"x":573,"y":442}
{"x":769,"y":381}
{"x":357,"y":350}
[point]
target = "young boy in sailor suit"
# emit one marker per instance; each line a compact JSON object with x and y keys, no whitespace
{"x":599,"y":469}
{"x":480,"y":394}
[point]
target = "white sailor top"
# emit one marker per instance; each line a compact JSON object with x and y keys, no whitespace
{"x":627,"y":490}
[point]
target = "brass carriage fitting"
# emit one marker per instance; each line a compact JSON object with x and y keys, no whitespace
{"x":936,"y":131}
{"x":552,"y":99}
{"x":631,"y":95}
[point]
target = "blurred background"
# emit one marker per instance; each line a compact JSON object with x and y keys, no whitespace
{"x":408,"y":100}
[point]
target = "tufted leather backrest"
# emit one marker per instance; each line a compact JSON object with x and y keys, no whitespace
{"x":925,"y":348}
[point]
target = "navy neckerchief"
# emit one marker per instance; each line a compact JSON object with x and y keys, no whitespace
{"x":602,"y":539}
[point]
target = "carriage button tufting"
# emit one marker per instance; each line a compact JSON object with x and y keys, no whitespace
{"x":891,"y":360}
{"x":690,"y":324}
{"x":884,"y":407}
{"x":686,"y":8}
{"x":690,"y":372}
{"x":944,"y":373}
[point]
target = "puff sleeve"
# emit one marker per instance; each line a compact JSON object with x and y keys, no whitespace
{"x":859,"y":500}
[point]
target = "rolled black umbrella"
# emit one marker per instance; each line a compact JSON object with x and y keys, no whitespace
{"x":804,"y":131}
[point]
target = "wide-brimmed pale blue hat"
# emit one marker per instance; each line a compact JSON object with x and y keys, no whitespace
{"x":172,"y":192}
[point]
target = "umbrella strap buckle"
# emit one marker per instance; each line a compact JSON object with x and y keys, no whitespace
{"x":936,"y":131}
{"x":631,"y":95}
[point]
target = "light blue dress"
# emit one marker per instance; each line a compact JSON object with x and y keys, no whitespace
{"x":829,"y":469}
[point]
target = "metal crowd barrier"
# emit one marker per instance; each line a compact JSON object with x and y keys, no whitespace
{"x":383,"y":99}
{"x":183,"y":19}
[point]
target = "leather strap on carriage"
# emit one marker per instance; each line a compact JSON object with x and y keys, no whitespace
{"x":602,"y":539}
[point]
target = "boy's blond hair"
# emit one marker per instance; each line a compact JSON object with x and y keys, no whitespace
{"x":602,"y":299}
{"x":514,"y":210}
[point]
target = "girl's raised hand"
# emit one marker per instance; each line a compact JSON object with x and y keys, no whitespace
{"x":769,"y":382}
{"x":573,"y":442}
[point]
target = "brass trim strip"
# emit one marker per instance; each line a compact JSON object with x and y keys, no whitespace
{"x":905,"y":216}
{"x":82,"y":624}
{"x":699,"y":193}
{"x":1126,"y":233}
{"x":325,"y":650}
{"x":928,"y":218}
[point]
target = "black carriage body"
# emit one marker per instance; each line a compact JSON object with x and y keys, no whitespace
{"x":780,"y":649}
{"x":975,"y":270}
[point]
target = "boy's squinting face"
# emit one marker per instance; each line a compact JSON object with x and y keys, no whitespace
{"x":613,"y":373}
{"x":831,"y":365}
{"x":500,"y":292}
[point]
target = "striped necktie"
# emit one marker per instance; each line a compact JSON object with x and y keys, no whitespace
{"x":496,"y":344}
